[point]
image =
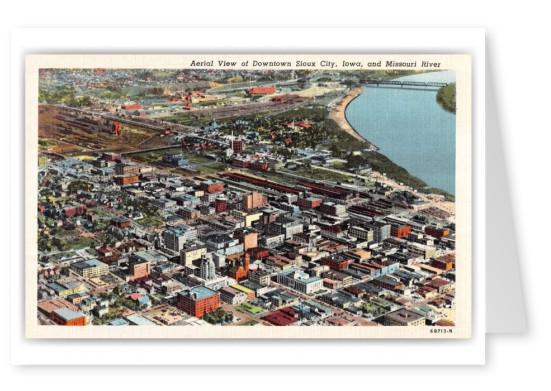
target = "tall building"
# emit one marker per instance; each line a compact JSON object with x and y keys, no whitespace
{"x":207,"y":269}
{"x":249,"y":239}
{"x":198,"y":300}
{"x":237,"y":146}
{"x":220,"y":204}
{"x":192,"y":252}
{"x":253,"y":200}
{"x":138,"y":269}
{"x":124,"y":168}
{"x":381,"y":231}
{"x":175,"y":238}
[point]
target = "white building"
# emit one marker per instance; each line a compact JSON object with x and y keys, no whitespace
{"x":299,"y":281}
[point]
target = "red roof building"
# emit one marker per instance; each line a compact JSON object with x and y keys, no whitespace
{"x":131,"y":107}
{"x":261,"y":90}
{"x":283,"y":317}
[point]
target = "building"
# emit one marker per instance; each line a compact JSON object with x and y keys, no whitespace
{"x":224,"y":244}
{"x":445,"y":262}
{"x":253,"y":200}
{"x":138,"y":320}
{"x":240,"y":269}
{"x":119,"y":222}
{"x":73,"y":210}
{"x":123,"y":180}
{"x":387,"y":283}
{"x":260,"y":277}
{"x":207,"y":269}
{"x":124,"y":168}
{"x":90,"y":268}
{"x":361,"y":233}
{"x":237,"y":146}
{"x":342,"y":280}
{"x":249,"y":292}
{"x":300,"y":281}
{"x":212,"y":186}
{"x":135,"y":106}
{"x":188,"y":213}
{"x":139,"y":269}
{"x":47,"y":307}
{"x":381,"y":231}
{"x":336,"y":263}
{"x":333,"y":209}
{"x":400,"y":231}
{"x":220,"y":204}
{"x":198,"y":300}
{"x":436,"y":232}
{"x":65,"y":288}
{"x":258,"y":252}
{"x":249,"y":239}
{"x":284,"y":317}
{"x":67,"y":317}
{"x":192,"y":252}
{"x":232,"y":296}
{"x":176,"y":237}
{"x":261,"y":90}
{"x":403,"y":317}
{"x":422,"y":250}
{"x":309,"y":203}
{"x":175,"y":160}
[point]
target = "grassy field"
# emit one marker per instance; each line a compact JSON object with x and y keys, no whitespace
{"x":151,"y":221}
{"x":249,"y":309}
{"x":187,"y":119}
{"x":212,"y":168}
{"x":317,"y":173}
{"x":98,"y":212}
{"x":76,"y":243}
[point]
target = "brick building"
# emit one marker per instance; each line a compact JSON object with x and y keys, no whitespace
{"x":198,"y":300}
{"x":253,"y":200}
{"x":309,"y":203}
{"x":67,"y":317}
{"x":212,"y":186}
{"x":400,"y":231}
{"x":138,"y":269}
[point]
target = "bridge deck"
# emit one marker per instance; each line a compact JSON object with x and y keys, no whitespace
{"x":404,"y":83}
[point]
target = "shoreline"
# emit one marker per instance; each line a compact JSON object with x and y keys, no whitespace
{"x":338,"y":114}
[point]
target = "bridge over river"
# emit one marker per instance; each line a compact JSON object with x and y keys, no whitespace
{"x":401,"y":84}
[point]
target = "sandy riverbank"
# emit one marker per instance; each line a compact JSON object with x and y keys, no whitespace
{"x":338,"y":114}
{"x":433,"y":200}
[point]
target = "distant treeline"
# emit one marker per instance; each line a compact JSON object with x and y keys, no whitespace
{"x":64,"y":95}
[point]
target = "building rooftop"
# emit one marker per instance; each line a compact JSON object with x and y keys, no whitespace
{"x":200,"y":291}
{"x":139,"y":320}
{"x":403,"y":315}
{"x":90,"y":263}
{"x":68,"y":314}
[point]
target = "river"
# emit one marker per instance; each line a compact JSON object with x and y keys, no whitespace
{"x":410,"y":128}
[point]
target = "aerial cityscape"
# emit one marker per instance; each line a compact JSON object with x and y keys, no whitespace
{"x":216,"y":198}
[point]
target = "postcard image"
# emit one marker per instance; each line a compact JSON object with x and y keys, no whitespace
{"x":248,"y":196}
